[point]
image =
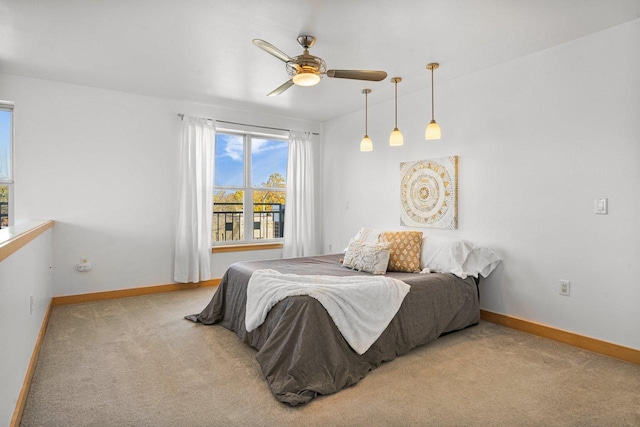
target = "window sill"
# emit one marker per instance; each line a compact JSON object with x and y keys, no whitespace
{"x":246,"y":247}
{"x":14,"y":237}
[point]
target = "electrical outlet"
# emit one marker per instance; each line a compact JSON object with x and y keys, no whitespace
{"x":565,"y":287}
{"x":84,"y":265}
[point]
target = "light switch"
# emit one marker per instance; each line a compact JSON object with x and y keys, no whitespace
{"x":601,"y":206}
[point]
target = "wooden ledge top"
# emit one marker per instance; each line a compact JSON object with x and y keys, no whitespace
{"x":14,"y":237}
{"x":246,"y":247}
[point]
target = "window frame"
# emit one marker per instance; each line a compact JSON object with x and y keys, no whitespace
{"x":10,"y":107}
{"x":249,"y":188}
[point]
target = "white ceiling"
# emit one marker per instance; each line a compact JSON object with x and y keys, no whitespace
{"x":201,"y":50}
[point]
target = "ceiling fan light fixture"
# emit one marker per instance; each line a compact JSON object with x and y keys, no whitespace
{"x":433,"y":129}
{"x":306,"y":78}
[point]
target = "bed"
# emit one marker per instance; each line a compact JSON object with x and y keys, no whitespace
{"x":301,"y":352}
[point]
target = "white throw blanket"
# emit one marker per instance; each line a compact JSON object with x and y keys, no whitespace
{"x":360,"y":306}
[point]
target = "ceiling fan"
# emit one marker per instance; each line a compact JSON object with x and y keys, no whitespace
{"x":306,"y":69}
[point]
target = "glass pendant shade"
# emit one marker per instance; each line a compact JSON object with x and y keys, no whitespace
{"x":306,"y":79}
{"x":366,"y":144}
{"x":432,"y":131}
{"x":396,"y":138}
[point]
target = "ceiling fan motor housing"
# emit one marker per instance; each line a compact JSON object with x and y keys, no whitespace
{"x":306,"y":63}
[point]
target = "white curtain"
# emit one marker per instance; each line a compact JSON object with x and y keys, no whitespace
{"x":195,"y":201}
{"x":300,"y":214}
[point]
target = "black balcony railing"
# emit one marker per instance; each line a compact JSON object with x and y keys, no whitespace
{"x":228,"y":221}
{"x":4,"y":214}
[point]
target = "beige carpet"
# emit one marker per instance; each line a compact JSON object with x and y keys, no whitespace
{"x":136,"y":362}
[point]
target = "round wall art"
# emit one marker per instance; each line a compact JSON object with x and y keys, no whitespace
{"x":429,"y":193}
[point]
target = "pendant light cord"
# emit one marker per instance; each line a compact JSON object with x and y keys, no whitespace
{"x":432,"y":107}
{"x":366,"y":113}
{"x":396,"y":87}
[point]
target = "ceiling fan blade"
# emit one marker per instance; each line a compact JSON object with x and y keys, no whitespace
{"x":277,"y":91}
{"x":374,"y":76}
{"x":269,"y":48}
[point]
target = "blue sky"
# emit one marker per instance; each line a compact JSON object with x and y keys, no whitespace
{"x":267,"y":156}
{"x":5,"y":143}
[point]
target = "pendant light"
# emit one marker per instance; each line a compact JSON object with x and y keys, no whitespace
{"x":433,"y":130}
{"x":396,"y":137}
{"x":366,"y":144}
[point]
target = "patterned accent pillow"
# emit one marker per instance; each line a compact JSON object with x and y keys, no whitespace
{"x":405,"y":250}
{"x":370,"y":257}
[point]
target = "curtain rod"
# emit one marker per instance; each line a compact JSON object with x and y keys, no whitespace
{"x":245,"y":124}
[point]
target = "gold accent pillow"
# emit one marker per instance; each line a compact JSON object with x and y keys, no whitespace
{"x":405,"y":250}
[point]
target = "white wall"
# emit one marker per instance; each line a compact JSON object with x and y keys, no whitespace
{"x":102,"y":164}
{"x":538,"y":138}
{"x":24,"y":273}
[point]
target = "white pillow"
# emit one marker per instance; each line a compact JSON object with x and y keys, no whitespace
{"x":481,"y":261}
{"x":367,"y":235}
{"x":370,"y":257}
{"x":460,"y":257}
{"x":444,"y":255}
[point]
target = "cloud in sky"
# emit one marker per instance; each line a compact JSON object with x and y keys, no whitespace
{"x":233,"y":147}
{"x":267,"y":157}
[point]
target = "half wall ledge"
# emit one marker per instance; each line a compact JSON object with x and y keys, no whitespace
{"x":16,"y":236}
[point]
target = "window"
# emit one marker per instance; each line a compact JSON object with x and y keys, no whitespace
{"x":6,"y":163}
{"x":250,"y":177}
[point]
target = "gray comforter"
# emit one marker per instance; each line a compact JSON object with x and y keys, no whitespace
{"x":301,"y":352}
